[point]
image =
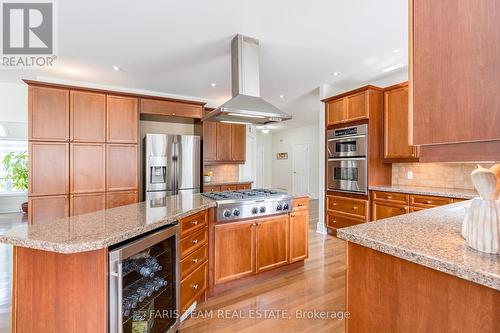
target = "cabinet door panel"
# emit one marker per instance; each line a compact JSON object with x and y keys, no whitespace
{"x":271,"y":243}
{"x":396,"y":125}
{"x":88,"y":167}
{"x":117,"y":199}
{"x":238,"y":142}
{"x":209,"y":141}
{"x":382,"y":210}
{"x":223,"y":142}
{"x":211,"y":188}
{"x":47,"y":209}
{"x":122,"y":119}
{"x":48,"y":168}
{"x":121,"y":173}
{"x":87,"y":203}
{"x":231,"y":264}
{"x":357,"y":107}
{"x":171,"y":108}
{"x":336,"y":111}
{"x":48,"y":112}
{"x":88,"y":116}
{"x":299,"y":230}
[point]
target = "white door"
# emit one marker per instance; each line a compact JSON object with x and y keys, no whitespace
{"x":300,"y":169}
{"x":260,"y":168}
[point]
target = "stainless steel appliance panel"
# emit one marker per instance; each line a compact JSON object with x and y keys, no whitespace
{"x":348,"y":174}
{"x":187,"y":152}
{"x":347,"y":141}
{"x":159,"y":168}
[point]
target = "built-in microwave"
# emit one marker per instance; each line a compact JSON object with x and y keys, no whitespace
{"x":347,"y":141}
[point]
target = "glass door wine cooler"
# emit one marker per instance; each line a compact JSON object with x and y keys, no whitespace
{"x":144,"y":284}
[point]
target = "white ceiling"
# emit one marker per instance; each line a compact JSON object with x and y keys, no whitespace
{"x":182,"y":46}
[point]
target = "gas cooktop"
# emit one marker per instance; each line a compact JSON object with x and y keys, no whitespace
{"x":242,"y":204}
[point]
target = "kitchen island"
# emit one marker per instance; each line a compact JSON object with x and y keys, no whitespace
{"x":415,"y":273}
{"x":60,"y":281}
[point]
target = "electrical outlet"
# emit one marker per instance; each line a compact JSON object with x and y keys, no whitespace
{"x":409,"y":175}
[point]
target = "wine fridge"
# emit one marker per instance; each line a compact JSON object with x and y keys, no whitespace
{"x":144,"y":284}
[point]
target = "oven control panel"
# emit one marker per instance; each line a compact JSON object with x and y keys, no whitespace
{"x":252,"y":209}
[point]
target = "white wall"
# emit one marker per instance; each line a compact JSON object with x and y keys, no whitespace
{"x":264,"y":160}
{"x":283,"y":142}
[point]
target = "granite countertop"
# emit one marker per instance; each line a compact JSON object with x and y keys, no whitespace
{"x":227,"y":183}
{"x":431,"y":238}
{"x":104,"y":228}
{"x":457,"y":193}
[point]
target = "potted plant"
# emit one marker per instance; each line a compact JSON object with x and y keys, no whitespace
{"x":16,"y":167}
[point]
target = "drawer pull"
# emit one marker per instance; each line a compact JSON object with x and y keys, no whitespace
{"x":195,"y":260}
{"x":355,"y":207}
{"x":194,"y":286}
{"x":194,"y":222}
{"x":389,"y":197}
{"x":292,"y":215}
{"x":195,"y":241}
{"x":300,"y":205}
{"x":334,"y":221}
{"x":428,"y":202}
{"x":334,"y":204}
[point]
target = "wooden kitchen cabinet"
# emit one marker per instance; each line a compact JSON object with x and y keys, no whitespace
{"x":454,"y":66}
{"x":238,"y":143}
{"x":223,"y":142}
{"x":88,"y":167}
{"x":209,"y":141}
{"x":396,"y":124}
{"x":211,"y":188}
{"x":299,"y":230}
{"x":232,"y":187}
{"x":47,"y":208}
{"x":244,"y":186}
{"x":271,"y":242}
{"x":48,"y":113}
{"x":353,"y":105}
{"x":120,"y":198}
{"x":87,"y":116}
{"x":344,"y":211}
{"x":230,"y":264}
{"x":49,"y":168}
{"x":87,"y":203}
{"x":382,"y":210}
{"x":122,"y":169}
{"x":336,"y":220}
{"x":122,"y":117}
{"x":171,"y":108}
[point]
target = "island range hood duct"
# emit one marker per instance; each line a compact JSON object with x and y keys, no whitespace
{"x":246,"y":106}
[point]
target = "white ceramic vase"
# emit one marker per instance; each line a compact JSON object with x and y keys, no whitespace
{"x":481,"y":226}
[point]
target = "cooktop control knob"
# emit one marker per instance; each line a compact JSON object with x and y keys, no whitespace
{"x":279,"y":207}
{"x":262,"y":209}
{"x":255,"y":210}
{"x":285,"y":206}
{"x":236,"y":212}
{"x":227,"y":213}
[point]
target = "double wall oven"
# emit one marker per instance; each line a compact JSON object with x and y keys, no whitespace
{"x":347,"y":149}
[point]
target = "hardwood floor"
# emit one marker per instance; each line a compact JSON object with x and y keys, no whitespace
{"x":6,"y":222}
{"x":319,"y":286}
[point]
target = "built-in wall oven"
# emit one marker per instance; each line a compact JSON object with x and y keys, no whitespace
{"x":144,"y":284}
{"x":347,"y":150}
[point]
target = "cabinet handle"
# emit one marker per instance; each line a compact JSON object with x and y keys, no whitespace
{"x":195,"y":241}
{"x":194,"y":222}
{"x":334,"y":221}
{"x":292,"y":215}
{"x":194,"y":286}
{"x":428,"y":202}
{"x":72,"y":196}
{"x":334,"y":204}
{"x":195,"y":260}
{"x":389,"y":197}
{"x":355,"y":208}
{"x":66,"y":196}
{"x":300,"y":205}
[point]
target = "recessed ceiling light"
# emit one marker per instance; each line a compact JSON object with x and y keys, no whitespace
{"x":265,"y":130}
{"x":393,"y":68}
{"x":213,"y":84}
{"x":395,"y":51}
{"x":282,"y":96}
{"x":335,"y":73}
{"x":116,"y":68}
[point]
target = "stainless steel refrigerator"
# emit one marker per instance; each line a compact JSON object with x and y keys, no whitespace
{"x":171,"y":165}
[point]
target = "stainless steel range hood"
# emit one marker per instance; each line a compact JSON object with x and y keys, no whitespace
{"x":246,"y":106}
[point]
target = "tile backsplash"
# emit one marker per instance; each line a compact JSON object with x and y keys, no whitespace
{"x":224,"y":172}
{"x":450,"y":175}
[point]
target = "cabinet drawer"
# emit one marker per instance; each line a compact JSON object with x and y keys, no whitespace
{"x":193,"y":242}
{"x":228,"y":187}
{"x":383,"y":210}
{"x":396,"y":198}
{"x":426,"y":201}
{"x":211,"y":188}
{"x":193,"y":286}
{"x":356,"y":207}
{"x":193,"y":260}
{"x":416,"y":209}
{"x":244,"y":186}
{"x":336,"y":220}
{"x":171,"y":108}
{"x":300,"y":204}
{"x":192,"y":223}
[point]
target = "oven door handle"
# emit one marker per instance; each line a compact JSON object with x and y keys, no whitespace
{"x":333,"y":159}
{"x":347,"y":138}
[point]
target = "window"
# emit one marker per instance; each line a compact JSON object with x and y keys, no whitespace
{"x":6,"y":147}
